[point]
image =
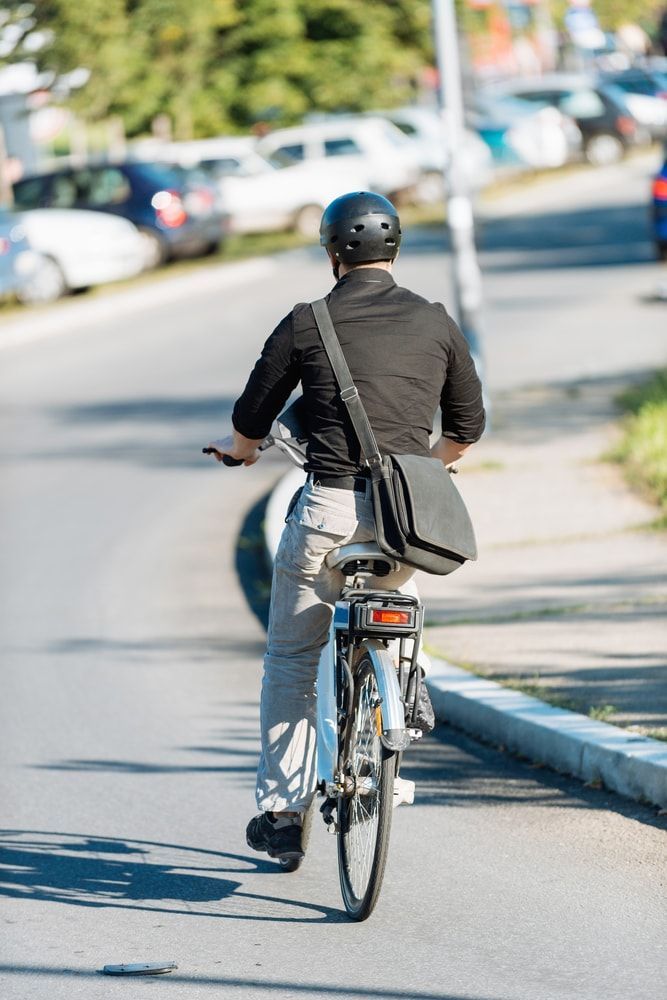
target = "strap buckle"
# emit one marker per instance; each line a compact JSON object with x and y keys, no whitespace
{"x":350,"y":393}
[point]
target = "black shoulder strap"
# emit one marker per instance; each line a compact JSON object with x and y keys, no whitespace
{"x":348,"y":390}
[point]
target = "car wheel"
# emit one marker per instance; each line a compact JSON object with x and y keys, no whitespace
{"x":212,"y":248}
{"x":155,"y":249}
{"x":46,"y":283}
{"x":601,"y":150}
{"x":307,"y":220}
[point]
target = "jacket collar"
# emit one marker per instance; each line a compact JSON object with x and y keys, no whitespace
{"x":361,"y":275}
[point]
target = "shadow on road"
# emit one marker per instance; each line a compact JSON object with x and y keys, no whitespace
{"x":451,"y":769}
{"x":602,"y":236}
{"x":160,"y":431}
{"x":282,"y":988}
{"x":82,"y":870}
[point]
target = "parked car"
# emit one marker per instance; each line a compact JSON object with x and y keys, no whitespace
{"x":521,"y":134}
{"x":16,"y":259}
{"x":423,"y":127}
{"x":645,"y":93}
{"x":660,"y":210}
{"x":62,"y":250}
{"x":262,"y":196}
{"x":178,"y":213}
{"x":371,"y":146}
{"x":600,"y":110}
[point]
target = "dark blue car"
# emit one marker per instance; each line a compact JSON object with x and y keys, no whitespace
{"x":660,"y":211}
{"x":176,"y":210}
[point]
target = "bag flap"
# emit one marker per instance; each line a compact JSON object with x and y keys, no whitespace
{"x":440,"y":518}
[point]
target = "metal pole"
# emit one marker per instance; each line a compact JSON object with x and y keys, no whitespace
{"x":467,"y":275}
{"x":5,"y":183}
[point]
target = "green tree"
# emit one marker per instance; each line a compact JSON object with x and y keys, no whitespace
{"x":219,"y":65}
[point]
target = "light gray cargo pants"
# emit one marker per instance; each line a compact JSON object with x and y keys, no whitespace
{"x":303,"y":594}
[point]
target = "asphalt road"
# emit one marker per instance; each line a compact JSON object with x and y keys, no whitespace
{"x":131,"y":667}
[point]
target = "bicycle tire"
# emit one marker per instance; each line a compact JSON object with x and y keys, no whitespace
{"x":364,"y":820}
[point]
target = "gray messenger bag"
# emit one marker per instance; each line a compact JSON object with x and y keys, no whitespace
{"x":420,"y":518}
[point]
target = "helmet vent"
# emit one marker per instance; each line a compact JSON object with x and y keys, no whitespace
{"x":384,"y":225}
{"x":358,"y":227}
{"x":334,"y":239}
{"x":390,"y":242}
{"x":353,"y":244}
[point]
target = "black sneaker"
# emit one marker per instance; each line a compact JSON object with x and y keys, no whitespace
{"x":425,"y":715}
{"x":282,"y":842}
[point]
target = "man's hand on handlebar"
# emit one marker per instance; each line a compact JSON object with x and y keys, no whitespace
{"x":235,"y":449}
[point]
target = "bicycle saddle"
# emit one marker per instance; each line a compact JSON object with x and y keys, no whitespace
{"x":350,"y":559}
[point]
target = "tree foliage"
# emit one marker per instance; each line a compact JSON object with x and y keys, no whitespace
{"x":222,"y":65}
{"x":216,"y":66}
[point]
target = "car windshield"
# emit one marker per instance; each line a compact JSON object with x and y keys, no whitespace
{"x":394,"y":135}
{"x":615,"y":94}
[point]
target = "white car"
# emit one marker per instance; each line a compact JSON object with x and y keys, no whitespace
{"x":262,"y":196}
{"x":71,"y":249}
{"x":423,"y":127}
{"x":371,"y":145}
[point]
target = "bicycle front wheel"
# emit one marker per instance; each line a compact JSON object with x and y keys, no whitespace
{"x":364,"y":814}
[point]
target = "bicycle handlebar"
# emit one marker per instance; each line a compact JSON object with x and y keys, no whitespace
{"x":226,"y":459}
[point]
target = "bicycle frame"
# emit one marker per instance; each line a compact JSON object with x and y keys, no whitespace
{"x":398,"y":688}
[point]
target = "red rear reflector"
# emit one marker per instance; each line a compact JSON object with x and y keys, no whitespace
{"x":660,"y":187}
{"x":391,"y":617}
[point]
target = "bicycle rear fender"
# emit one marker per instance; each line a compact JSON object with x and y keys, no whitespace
{"x":394,"y":735}
{"x":327,"y":723}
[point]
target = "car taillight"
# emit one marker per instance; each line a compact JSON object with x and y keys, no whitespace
{"x":5,"y":246}
{"x":626,"y":126}
{"x":199,"y":201}
{"x":387,"y":617}
{"x":169,"y":208}
{"x":660,"y":188}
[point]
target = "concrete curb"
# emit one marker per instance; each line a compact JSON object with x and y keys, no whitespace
{"x":632,"y":765}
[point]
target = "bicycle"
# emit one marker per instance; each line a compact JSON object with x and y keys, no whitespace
{"x":368,"y":689}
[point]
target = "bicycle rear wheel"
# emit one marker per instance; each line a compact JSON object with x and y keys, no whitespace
{"x":364,"y":817}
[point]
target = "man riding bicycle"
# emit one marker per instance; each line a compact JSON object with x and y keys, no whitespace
{"x":407,"y":357}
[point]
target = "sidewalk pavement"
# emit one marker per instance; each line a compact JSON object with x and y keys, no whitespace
{"x":566,"y":603}
{"x":568,"y":600}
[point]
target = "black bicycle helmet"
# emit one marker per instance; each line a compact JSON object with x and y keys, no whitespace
{"x":361,"y":226}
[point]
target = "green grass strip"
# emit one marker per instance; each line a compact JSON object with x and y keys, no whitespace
{"x":642,"y":450}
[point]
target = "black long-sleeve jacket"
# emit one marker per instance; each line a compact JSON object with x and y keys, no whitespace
{"x":405,"y":354}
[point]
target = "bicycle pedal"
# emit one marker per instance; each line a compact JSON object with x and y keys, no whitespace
{"x":404,"y":792}
{"x":327,"y":810}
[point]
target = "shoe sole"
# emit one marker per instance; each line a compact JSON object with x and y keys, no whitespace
{"x":286,"y":855}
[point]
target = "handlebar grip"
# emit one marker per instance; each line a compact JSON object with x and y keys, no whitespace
{"x":226,"y":459}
